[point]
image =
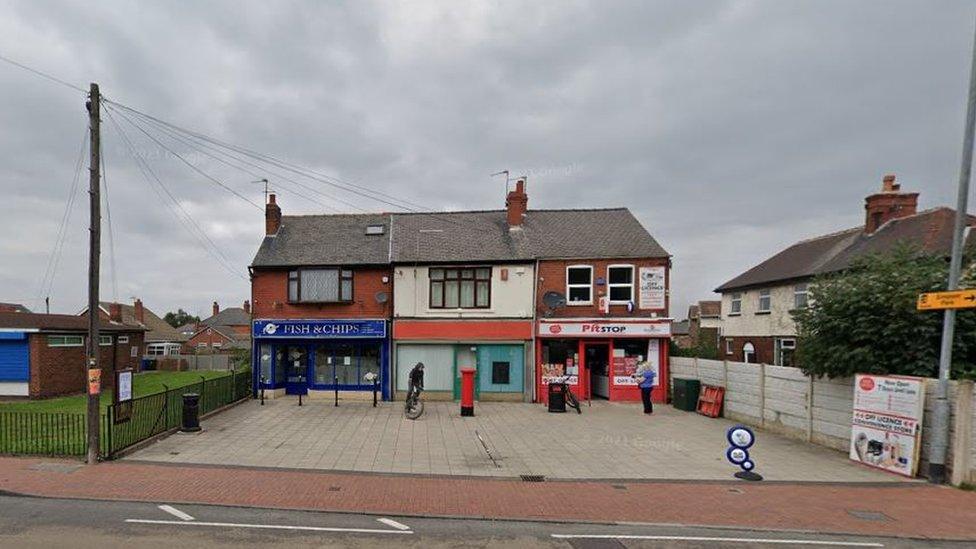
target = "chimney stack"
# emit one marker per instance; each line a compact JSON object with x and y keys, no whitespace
{"x":115,"y":312}
{"x":517,"y":203}
{"x":272,"y":216}
{"x":140,"y":311}
{"x":216,"y":308}
{"x":247,"y":306}
{"x":889,"y":204}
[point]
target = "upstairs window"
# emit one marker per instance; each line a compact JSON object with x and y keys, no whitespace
{"x":736,"y":307}
{"x":460,"y":288}
{"x":320,"y":286}
{"x":579,"y":285}
{"x":800,"y":296}
{"x":765,"y":301}
{"x":620,"y":283}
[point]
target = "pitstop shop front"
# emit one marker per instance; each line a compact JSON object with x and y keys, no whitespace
{"x":598,"y":356}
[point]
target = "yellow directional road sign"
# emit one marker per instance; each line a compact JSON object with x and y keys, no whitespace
{"x":959,"y":299}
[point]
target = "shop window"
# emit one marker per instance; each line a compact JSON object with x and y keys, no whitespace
{"x":280,"y":364}
{"x":320,"y":285}
{"x":560,"y":357}
{"x":464,"y":288}
{"x":369,"y":362}
{"x":265,"y":361}
{"x":346,"y":365}
{"x":501,"y":373}
{"x":765,"y":301}
{"x":800,"y":296}
{"x":620,"y":283}
{"x":748,"y":353}
{"x":579,"y":285}
{"x":736,"y":304}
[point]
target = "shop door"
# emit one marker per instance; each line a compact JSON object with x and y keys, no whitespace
{"x":465,"y":357}
{"x":296,"y":370}
{"x":596,"y":360}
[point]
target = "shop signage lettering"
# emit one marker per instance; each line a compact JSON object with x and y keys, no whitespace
{"x":605,"y":329}
{"x":319,"y":328}
{"x":886,"y":429}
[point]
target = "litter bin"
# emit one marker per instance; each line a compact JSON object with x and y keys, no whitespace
{"x":557,"y":397}
{"x":191,"y":413}
{"x":686,"y":394}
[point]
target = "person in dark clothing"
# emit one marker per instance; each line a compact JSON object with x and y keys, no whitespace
{"x":416,"y":380}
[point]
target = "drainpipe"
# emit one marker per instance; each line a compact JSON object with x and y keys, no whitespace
{"x":533,"y":397}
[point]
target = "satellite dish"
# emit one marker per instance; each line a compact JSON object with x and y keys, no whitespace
{"x":554,"y":300}
{"x":381,"y":297}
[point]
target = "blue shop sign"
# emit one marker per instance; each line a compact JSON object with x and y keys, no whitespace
{"x":319,"y":329}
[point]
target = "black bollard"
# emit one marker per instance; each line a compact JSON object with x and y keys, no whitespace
{"x":299,"y":399}
{"x":375,"y":388}
{"x":337,"y":391}
{"x":263,"y":381}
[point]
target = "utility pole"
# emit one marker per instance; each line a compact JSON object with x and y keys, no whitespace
{"x":93,"y":372}
{"x":940,"y":420}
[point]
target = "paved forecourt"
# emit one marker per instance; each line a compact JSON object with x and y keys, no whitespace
{"x":608,"y":441}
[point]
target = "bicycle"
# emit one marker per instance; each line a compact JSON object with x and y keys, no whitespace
{"x":571,"y":399}
{"x":413,"y":407}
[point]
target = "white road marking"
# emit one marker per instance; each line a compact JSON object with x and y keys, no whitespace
{"x":393,"y":523}
{"x":270,"y":526}
{"x":771,"y":541}
{"x":175,"y":512}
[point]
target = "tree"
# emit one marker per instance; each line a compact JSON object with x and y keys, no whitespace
{"x":864,"y":320}
{"x":179,"y":318}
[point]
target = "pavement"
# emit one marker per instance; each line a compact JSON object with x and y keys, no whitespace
{"x":609,"y":441}
{"x":905,"y":509}
{"x":43,"y":522}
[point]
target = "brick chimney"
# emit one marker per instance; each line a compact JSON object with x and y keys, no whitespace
{"x":115,"y":312}
{"x":517,"y":203}
{"x":216,"y":308}
{"x":889,"y":204}
{"x":272,"y":216}
{"x":140,"y":311}
{"x":247,"y":306}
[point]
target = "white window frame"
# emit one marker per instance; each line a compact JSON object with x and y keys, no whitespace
{"x":123,"y":339}
{"x":620,"y":285}
{"x":587,"y":286}
{"x":202,"y":345}
{"x":735,"y":299}
{"x":152,"y":348}
{"x":781,"y":346}
{"x":805,"y":292}
{"x":728,"y":346}
{"x":766,"y":294}
{"x":64,"y":343}
{"x":104,"y":340}
{"x":745,"y":353}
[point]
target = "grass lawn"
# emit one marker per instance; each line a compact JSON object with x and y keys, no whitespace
{"x":143,"y":383}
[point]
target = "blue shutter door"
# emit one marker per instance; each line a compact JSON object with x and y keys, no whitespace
{"x":14,"y":362}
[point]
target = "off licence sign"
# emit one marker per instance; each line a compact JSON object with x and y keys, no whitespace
{"x":959,"y":299}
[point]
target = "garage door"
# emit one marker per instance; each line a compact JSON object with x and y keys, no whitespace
{"x":438,"y":365}
{"x":14,"y":364}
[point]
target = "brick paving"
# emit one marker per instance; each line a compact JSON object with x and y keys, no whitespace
{"x":909,"y":509}
{"x":608,"y":441}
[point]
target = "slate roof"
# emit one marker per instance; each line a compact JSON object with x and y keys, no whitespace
{"x":930,"y":230}
{"x":232,"y":316}
{"x":680,"y":328}
{"x":710,"y":309}
{"x":158,"y":329}
{"x":60,"y":323}
{"x":326,"y":240}
{"x":13,"y":308}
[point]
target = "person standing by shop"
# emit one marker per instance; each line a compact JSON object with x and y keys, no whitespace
{"x":645,"y":375}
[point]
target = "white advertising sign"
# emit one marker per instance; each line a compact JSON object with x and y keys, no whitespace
{"x":886,"y":430}
{"x":652,"y":290}
{"x":125,"y":386}
{"x":605,"y":329}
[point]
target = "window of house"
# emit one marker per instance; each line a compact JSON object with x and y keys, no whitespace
{"x":157,"y":349}
{"x":620,"y":283}
{"x":217,"y":345}
{"x":579,"y":285}
{"x":123,"y":339}
{"x":134,"y":351}
{"x":736,"y":307}
{"x":460,"y":288}
{"x":764,"y":301}
{"x":202,"y":345}
{"x":501,"y":373}
{"x":785,"y":349}
{"x":104,"y":340}
{"x":320,"y":285}
{"x":800,"y":296}
{"x":748,"y":353}
{"x":65,"y":341}
{"x":728,"y":347}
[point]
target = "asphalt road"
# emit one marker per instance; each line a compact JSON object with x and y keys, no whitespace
{"x":36,"y":522}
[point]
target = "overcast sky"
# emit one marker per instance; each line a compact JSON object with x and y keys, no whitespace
{"x":731,"y":129}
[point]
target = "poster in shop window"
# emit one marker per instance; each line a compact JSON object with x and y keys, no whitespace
{"x":886,"y":430}
{"x":651,"y":288}
{"x":624,"y":367}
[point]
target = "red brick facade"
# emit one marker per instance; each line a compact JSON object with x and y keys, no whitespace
{"x":56,"y":371}
{"x":206,"y":339}
{"x":765,"y":348}
{"x":552,"y":277}
{"x":269,"y":296}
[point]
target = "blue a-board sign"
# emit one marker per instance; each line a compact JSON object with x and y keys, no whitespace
{"x":353,"y":328}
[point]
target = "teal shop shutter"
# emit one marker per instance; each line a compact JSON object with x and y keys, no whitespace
{"x":489,"y":355}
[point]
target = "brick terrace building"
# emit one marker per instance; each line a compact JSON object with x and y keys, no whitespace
{"x":44,"y":355}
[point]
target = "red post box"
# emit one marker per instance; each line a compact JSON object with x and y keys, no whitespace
{"x":467,"y":391}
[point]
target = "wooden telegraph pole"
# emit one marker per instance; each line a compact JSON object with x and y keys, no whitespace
{"x":93,"y":371}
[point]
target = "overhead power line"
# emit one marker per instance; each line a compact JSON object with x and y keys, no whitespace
{"x":43,"y":74}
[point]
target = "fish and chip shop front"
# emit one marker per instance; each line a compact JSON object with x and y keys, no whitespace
{"x":316,"y":357}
